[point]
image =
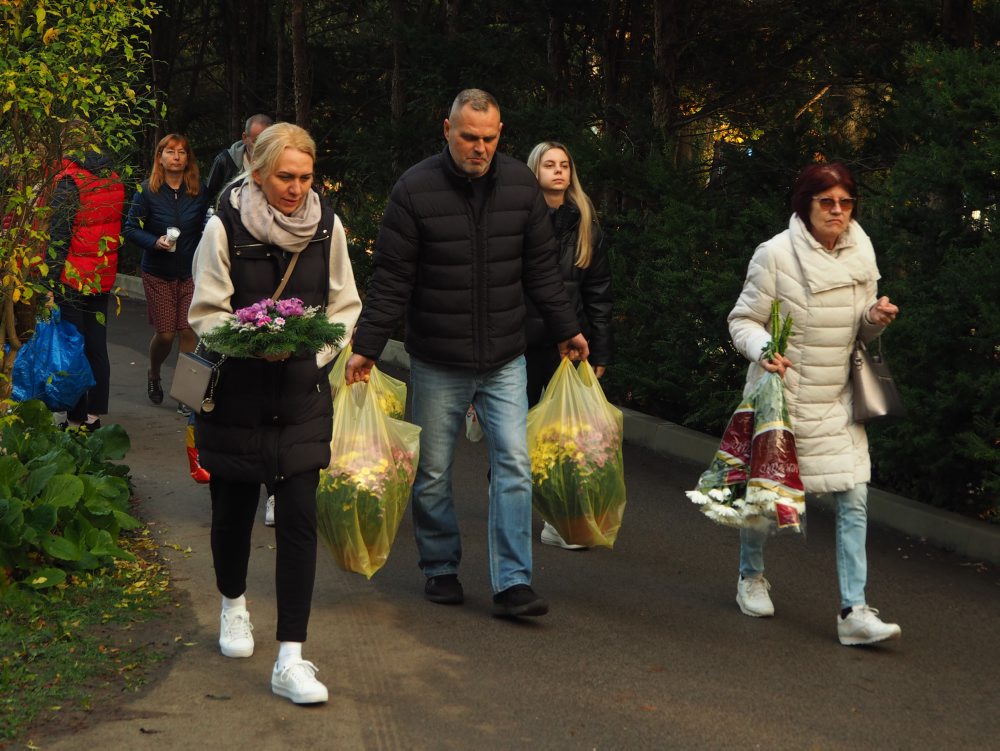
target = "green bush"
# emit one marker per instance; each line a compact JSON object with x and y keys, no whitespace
{"x":63,"y":502}
{"x":935,"y":230}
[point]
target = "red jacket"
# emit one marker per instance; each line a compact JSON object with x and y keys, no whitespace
{"x":97,"y":226}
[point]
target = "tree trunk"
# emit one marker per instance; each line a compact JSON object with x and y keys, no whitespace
{"x":666,"y":38}
{"x":231,"y":12}
{"x":280,"y":105}
{"x":300,"y":63}
{"x":451,"y":8}
{"x":558,"y":61}
{"x":956,"y":22}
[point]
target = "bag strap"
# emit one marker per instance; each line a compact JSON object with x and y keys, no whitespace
{"x":286,"y":277}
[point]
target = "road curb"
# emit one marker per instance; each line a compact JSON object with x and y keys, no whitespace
{"x":944,"y":529}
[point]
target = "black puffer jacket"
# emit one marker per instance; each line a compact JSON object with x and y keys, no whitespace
{"x":462,"y":281}
{"x":589,"y":289}
{"x":272,"y":419}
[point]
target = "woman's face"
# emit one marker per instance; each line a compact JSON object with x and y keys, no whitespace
{"x":554,"y":173}
{"x":174,"y":158}
{"x":288,"y":185}
{"x":828,"y":222}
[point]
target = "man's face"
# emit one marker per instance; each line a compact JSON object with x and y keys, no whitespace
{"x":250,"y":138}
{"x":472,"y":139}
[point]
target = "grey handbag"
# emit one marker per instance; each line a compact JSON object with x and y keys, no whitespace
{"x":875,"y":393}
{"x":196,"y":376}
{"x":194,"y":381}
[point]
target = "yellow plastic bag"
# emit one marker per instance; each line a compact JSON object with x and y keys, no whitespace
{"x":575,"y":440}
{"x":390,"y":392}
{"x":363,"y":493}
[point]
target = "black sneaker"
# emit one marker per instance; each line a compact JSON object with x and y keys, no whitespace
{"x":154,"y":390}
{"x":444,"y":590}
{"x":519,"y":600}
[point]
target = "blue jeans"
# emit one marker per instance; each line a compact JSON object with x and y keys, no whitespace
{"x":852,"y":560}
{"x":441,"y":397}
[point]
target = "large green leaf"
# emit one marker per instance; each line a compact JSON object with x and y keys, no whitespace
{"x":45,"y":577}
{"x":11,"y":472}
{"x":105,"y":546}
{"x":39,"y":478}
{"x":42,"y":517}
{"x":110,"y":442}
{"x":126,"y":521}
{"x":60,"y":547}
{"x":62,"y":491}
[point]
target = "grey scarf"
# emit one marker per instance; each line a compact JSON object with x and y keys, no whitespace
{"x":267,"y":224}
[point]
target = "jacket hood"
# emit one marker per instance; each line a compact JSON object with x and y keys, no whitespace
{"x":236,"y":152}
{"x":94,"y":161}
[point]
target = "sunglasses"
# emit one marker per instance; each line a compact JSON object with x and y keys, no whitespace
{"x":827,"y":204}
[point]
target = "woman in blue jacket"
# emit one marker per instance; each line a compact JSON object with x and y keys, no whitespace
{"x":173,"y":197}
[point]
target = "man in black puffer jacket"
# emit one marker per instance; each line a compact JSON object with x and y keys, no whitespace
{"x":465,"y":236}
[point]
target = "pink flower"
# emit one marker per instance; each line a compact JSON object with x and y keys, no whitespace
{"x":263,"y":321}
{"x":290,"y":307}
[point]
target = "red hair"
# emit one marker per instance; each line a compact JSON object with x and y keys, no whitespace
{"x":191,"y":182}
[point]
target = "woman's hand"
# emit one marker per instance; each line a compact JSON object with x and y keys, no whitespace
{"x":883,"y":312}
{"x":162,"y":243}
{"x":777,"y":364}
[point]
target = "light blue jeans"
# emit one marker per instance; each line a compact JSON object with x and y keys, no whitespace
{"x":441,"y":397}
{"x":852,"y":560}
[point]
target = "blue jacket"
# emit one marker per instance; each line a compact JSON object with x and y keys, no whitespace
{"x":148,"y":218}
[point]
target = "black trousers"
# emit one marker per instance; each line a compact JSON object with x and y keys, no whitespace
{"x":89,"y":313}
{"x":541,"y":364}
{"x":234,"y":508}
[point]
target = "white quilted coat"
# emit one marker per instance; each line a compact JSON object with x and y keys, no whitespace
{"x":827,"y":295}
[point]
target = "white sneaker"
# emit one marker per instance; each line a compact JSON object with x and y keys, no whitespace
{"x":863,"y":626}
{"x":236,"y":633}
{"x":550,"y":536}
{"x":298,"y":682}
{"x":752,"y":597}
{"x":269,"y":511}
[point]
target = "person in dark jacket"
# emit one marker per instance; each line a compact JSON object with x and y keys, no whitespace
{"x":235,"y":160}
{"x":586,"y":272}
{"x":85,"y":231}
{"x":465,"y":238}
{"x":172,"y":198}
{"x":273,"y":416}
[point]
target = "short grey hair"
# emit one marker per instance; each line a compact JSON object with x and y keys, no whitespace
{"x":479,"y":100}
{"x":265,"y":120}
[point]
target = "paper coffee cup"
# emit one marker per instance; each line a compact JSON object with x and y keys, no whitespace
{"x":172,"y":234}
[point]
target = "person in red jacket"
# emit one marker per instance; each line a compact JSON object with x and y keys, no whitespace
{"x":85,"y":231}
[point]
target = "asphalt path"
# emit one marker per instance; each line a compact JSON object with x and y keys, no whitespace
{"x":644,"y":646}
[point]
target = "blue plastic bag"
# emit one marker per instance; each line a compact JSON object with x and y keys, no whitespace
{"x":52,"y":365}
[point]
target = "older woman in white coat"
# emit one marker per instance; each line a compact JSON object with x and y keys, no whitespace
{"x":822,"y":269}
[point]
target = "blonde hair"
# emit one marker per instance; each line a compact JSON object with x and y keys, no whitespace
{"x":272,"y":142}
{"x":158,"y":175}
{"x":576,"y":196}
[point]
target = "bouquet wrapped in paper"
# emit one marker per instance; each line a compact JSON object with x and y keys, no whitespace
{"x":272,"y":327}
{"x":363,"y":493}
{"x":753,"y":480}
{"x":575,"y":442}
{"x":389,"y":392}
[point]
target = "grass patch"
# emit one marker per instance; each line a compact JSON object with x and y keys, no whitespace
{"x":70,"y":648}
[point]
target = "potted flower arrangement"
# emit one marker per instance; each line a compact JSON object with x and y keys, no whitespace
{"x":363,"y":492}
{"x":274,"y":327}
{"x":575,"y":443}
